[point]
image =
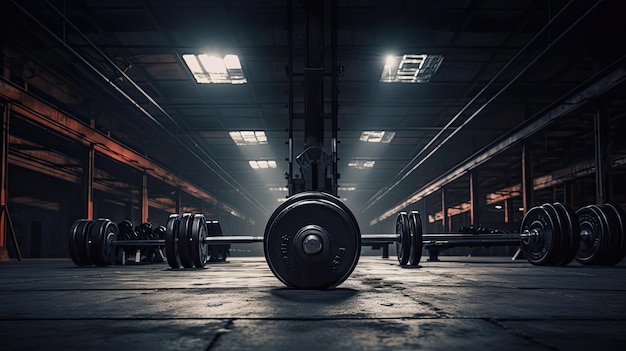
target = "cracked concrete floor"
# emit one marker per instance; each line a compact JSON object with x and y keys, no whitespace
{"x":465,"y":303}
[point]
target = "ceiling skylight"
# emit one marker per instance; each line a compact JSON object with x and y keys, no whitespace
{"x":214,"y":69}
{"x":361,"y":164}
{"x":378,"y":136}
{"x":248,"y":137}
{"x":262,"y":164}
{"x":410,"y":68}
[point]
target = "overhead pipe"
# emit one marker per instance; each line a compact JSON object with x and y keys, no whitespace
{"x":521,"y":132}
{"x":26,"y":105}
{"x":387,"y":189}
{"x":236,"y":186}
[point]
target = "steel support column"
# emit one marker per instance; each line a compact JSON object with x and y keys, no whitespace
{"x":602,"y":155}
{"x":179,"y":200}
{"x":87,"y":182}
{"x":474,"y":201}
{"x":527,"y":178}
{"x":444,"y":211}
{"x":313,"y":73}
{"x":143,"y":200}
{"x":4,"y":156}
{"x":508,"y":212}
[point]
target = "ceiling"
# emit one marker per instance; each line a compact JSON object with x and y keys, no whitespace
{"x":118,"y":65}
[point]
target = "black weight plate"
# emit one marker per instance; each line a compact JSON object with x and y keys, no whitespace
{"x":403,"y":241}
{"x":335,"y":226}
{"x":81,"y":242}
{"x":557,"y":255}
{"x":126,"y":230}
{"x":199,"y":249}
{"x":224,"y":249}
{"x":171,"y":241}
{"x":593,"y":232}
{"x":614,"y":252}
{"x":78,"y":249}
{"x":217,"y":253}
{"x":101,"y":235}
{"x":415,"y":228}
{"x":184,"y":240}
{"x":573,"y":232}
{"x":621,"y":227}
{"x":144,"y":231}
{"x":538,"y":249}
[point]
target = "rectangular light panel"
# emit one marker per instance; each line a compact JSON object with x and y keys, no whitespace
{"x":262,"y":164}
{"x":362,"y":164}
{"x":248,"y":137}
{"x":377,"y":136}
{"x":213,"y":69}
{"x":410,"y":68}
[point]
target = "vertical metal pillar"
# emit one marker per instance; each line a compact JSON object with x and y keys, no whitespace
{"x":423,"y":214}
{"x":4,"y":254}
{"x":87,"y":182}
{"x":334,"y":94}
{"x":507,"y":211}
{"x":602,"y":155}
{"x":290,"y":176}
{"x":528,"y":185}
{"x":568,"y":193}
{"x":313,"y":73}
{"x":143,"y":201}
{"x":4,"y":28}
{"x":444,"y":211}
{"x":474,"y":201}
{"x":178,"y":200}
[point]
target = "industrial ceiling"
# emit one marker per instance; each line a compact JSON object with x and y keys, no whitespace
{"x":513,"y":73}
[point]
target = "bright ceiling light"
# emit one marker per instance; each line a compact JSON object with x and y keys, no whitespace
{"x":282,"y":188}
{"x":232,"y":62}
{"x":372,"y":136}
{"x":390,"y":61}
{"x":410,"y":68}
{"x":347,"y":188}
{"x":248,"y":137}
{"x":262,"y":164}
{"x":214,"y":69}
{"x":361,"y":164}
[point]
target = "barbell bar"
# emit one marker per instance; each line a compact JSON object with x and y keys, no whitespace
{"x":312,"y":241}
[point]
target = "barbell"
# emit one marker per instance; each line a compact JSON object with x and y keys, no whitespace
{"x":312,"y":240}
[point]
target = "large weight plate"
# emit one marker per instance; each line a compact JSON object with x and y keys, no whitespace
{"x":621,"y":227}
{"x":102,"y":234}
{"x":561,"y":241}
{"x":415,"y":228}
{"x":403,"y":241}
{"x":184,"y":240}
{"x":327,"y":218}
{"x":614,"y":253}
{"x":539,"y":249}
{"x":593,"y":236}
{"x":572,"y":230}
{"x":171,"y":241}
{"x":199,"y":249}
{"x":79,"y":251}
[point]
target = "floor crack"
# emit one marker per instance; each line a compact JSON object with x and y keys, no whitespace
{"x":226,"y":328}
{"x":519,"y":333}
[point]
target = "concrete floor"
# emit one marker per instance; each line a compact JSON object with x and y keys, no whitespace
{"x":458,"y":304}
